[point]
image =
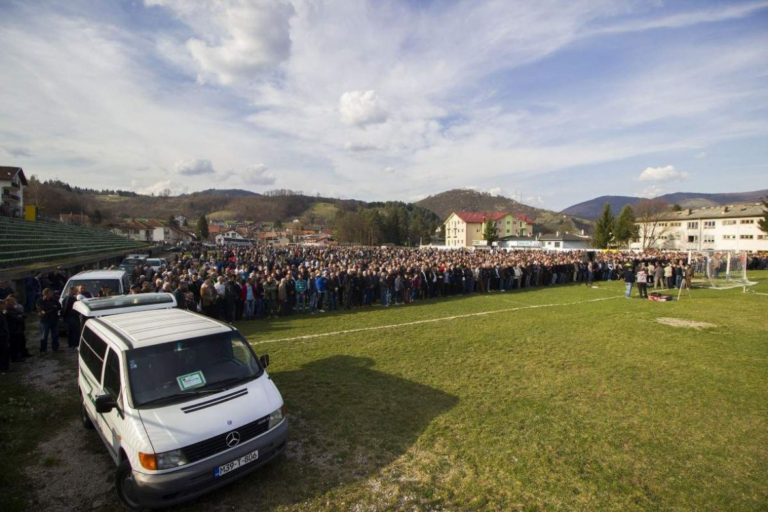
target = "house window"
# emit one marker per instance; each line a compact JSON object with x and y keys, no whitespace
{"x":729,"y":237}
{"x":729,"y":222}
{"x":747,"y":221}
{"x":709,"y":224}
{"x":693,"y":225}
{"x":747,"y":237}
{"x":674,"y":224}
{"x":692,"y":239}
{"x":709,"y":239}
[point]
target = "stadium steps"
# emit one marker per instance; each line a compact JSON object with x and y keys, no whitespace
{"x":23,"y":242}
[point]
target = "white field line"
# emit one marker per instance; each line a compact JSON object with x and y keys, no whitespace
{"x":431,"y":320}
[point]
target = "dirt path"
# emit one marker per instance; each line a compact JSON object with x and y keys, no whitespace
{"x":71,"y":470}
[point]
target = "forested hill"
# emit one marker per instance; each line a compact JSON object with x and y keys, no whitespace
{"x":471,"y":200}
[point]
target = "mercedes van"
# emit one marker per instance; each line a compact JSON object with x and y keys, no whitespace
{"x":181,"y":402}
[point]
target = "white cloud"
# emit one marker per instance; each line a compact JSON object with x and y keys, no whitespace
{"x":361,"y":108}
{"x":390,"y":170}
{"x":163,"y":187}
{"x":652,"y":191}
{"x":194,"y":167}
{"x":257,"y":175}
{"x":666,"y":173}
{"x":237,"y":41}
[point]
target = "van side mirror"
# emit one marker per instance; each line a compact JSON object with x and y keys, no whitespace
{"x":105,"y":403}
{"x":264,"y":360}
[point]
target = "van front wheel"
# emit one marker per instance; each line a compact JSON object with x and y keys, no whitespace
{"x":84,"y":418}
{"x":126,"y":485}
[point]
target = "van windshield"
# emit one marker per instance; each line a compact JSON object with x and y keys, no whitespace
{"x":181,"y":370}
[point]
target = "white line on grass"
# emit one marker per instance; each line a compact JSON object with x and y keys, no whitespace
{"x":432,"y":320}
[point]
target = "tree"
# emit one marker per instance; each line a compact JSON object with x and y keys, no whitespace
{"x":649,"y":213}
{"x":202,"y":228}
{"x":490,"y":234}
{"x":172,"y":222}
{"x":626,"y":230}
{"x":604,"y":228}
{"x":763,"y":223}
{"x":96,"y":217}
{"x":677,"y":208}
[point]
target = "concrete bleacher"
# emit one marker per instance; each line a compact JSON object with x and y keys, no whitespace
{"x":23,"y":242}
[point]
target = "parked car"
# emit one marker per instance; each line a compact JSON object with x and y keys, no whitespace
{"x":181,"y":402}
{"x":156,"y":263}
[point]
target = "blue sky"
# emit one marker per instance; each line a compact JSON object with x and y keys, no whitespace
{"x":552,"y":102}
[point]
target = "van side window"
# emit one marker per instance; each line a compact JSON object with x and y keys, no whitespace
{"x":92,"y":350}
{"x":112,"y":374}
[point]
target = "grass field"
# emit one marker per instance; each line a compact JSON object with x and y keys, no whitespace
{"x":569,"y":398}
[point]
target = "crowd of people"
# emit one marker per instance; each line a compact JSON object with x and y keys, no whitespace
{"x":234,"y":284}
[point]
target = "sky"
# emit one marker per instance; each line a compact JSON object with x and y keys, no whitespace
{"x":547,"y":102}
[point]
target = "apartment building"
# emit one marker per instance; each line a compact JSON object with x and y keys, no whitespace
{"x":466,"y":229}
{"x":719,"y":228}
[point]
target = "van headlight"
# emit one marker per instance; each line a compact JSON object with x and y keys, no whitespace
{"x":171,"y":459}
{"x":275,"y":418}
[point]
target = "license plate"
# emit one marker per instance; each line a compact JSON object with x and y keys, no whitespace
{"x":233,"y":465}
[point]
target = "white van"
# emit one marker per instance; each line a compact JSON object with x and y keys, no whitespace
{"x":95,"y":280}
{"x":181,"y":402}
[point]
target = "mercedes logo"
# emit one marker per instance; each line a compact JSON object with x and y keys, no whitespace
{"x":233,"y":438}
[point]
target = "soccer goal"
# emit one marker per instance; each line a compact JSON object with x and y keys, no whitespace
{"x":721,"y":269}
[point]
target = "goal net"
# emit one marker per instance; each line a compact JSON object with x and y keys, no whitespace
{"x":721,"y":269}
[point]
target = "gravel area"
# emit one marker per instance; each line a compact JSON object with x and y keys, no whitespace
{"x":72,"y":470}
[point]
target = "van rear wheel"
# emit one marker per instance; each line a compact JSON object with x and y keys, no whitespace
{"x":125,"y":485}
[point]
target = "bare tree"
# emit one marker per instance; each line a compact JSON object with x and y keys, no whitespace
{"x":649,"y":213}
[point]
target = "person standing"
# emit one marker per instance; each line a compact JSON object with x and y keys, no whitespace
{"x":48,"y":309}
{"x":629,"y":281}
{"x":5,"y":341}
{"x":14,"y":316}
{"x":642,"y":282}
{"x":71,"y":318}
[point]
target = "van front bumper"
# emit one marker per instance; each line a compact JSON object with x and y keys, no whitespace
{"x":186,"y":483}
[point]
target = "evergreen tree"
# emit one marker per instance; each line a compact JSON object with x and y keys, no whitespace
{"x":489,"y":232}
{"x":763,"y":223}
{"x":626,"y":230}
{"x":604,"y":228}
{"x":202,"y":228}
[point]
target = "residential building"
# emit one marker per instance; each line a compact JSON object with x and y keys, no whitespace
{"x":565,"y":242}
{"x":718,"y":228}
{"x":12,"y":183}
{"x":150,"y":230}
{"x":467,"y":229}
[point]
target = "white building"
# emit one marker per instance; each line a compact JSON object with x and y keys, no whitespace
{"x":12,"y":183}
{"x":718,"y":228}
{"x":565,"y":242}
{"x":232,"y":237}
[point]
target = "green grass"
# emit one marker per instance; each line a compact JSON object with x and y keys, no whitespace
{"x":550,"y":399}
{"x":585,"y":405}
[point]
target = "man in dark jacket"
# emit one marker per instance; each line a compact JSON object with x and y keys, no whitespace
{"x":48,"y":309}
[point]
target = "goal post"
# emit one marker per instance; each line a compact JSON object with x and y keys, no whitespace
{"x":721,"y":269}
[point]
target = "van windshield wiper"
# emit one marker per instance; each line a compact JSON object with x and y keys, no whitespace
{"x":179,"y":396}
{"x":221,"y":385}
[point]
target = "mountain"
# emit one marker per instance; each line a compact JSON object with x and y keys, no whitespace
{"x":545,"y":221}
{"x":593,"y":208}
